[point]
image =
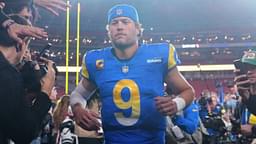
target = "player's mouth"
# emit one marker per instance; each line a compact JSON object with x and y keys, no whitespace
{"x":120,"y":35}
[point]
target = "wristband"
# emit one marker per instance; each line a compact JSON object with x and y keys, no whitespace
{"x":180,"y":102}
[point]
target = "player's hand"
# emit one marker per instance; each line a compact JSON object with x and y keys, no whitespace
{"x":85,"y":118}
{"x":166,"y":105}
{"x":52,"y":5}
{"x":16,"y":30}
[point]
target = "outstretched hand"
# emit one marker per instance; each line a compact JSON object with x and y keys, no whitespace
{"x":16,"y":30}
{"x":52,"y":5}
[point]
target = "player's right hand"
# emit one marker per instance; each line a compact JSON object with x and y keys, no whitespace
{"x":85,"y":118}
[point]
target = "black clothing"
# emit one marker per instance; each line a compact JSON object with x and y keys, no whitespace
{"x":251,"y":104}
{"x":19,"y":121}
{"x":3,"y":17}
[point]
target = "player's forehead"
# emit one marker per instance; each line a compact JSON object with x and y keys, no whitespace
{"x":121,"y":19}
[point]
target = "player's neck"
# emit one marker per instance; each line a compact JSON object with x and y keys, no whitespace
{"x":126,"y":53}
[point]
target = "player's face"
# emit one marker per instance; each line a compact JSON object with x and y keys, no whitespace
{"x":123,"y":32}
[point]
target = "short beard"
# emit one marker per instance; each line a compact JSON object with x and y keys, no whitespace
{"x":122,"y":46}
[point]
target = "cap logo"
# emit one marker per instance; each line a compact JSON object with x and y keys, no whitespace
{"x":119,"y":11}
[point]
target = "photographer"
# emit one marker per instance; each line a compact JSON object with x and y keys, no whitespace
{"x":20,"y":122}
{"x":210,"y":114}
{"x":246,"y":84}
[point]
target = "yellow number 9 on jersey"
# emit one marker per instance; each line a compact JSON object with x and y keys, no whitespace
{"x":133,"y":103}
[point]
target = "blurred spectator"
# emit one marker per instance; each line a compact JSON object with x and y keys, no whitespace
{"x":52,"y":5}
{"x":61,"y":112}
{"x":210,"y":114}
{"x":230,"y":99}
{"x":213,"y":104}
{"x":189,"y":124}
{"x":25,"y":8}
{"x":28,"y":9}
{"x":246,"y":82}
{"x":20,"y":122}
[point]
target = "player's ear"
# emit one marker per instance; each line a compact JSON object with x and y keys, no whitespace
{"x":107,"y":27}
{"x":140,"y":30}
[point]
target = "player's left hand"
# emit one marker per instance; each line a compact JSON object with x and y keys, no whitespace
{"x":166,"y":105}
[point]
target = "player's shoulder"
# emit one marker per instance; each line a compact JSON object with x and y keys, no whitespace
{"x":160,"y":48}
{"x":96,"y":53}
{"x":158,"y":45}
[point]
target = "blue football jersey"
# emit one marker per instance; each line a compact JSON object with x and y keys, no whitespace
{"x":127,"y":91}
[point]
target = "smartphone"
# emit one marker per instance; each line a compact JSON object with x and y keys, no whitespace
{"x":43,"y":51}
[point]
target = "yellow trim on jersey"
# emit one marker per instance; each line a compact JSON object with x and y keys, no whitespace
{"x":85,"y":71}
{"x":252,"y":119}
{"x":171,"y":58}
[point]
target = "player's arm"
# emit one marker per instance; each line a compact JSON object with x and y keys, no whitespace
{"x":184,"y":92}
{"x":179,"y":85}
{"x":81,"y":93}
{"x":84,"y":117}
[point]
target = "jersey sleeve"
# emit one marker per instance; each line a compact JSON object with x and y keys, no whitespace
{"x":173,"y":58}
{"x":84,"y":69}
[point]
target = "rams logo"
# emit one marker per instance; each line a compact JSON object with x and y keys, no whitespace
{"x":99,"y":64}
{"x":119,"y":12}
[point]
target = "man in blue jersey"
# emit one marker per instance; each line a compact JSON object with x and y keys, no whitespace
{"x":130,"y":78}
